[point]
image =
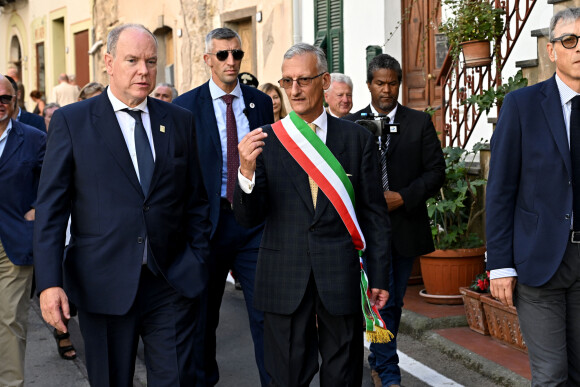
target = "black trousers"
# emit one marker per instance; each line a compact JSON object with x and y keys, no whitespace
{"x":164,"y":319}
{"x":292,"y":343}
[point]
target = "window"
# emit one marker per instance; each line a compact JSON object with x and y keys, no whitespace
{"x":328,"y":30}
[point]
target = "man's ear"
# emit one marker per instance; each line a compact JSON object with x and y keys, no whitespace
{"x":325,"y":81}
{"x":551,"y":51}
{"x":109,"y":63}
{"x":206,"y":59}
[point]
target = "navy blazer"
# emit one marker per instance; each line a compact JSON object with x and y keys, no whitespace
{"x":33,"y":120}
{"x":529,"y":191}
{"x":259,"y":111}
{"x":300,"y":241}
{"x":20,"y":166}
{"x":416,"y":170}
{"x":88,"y":173}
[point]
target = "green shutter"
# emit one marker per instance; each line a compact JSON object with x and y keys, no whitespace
{"x":328,"y":29}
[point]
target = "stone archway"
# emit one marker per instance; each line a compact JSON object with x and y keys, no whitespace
{"x":15,"y":54}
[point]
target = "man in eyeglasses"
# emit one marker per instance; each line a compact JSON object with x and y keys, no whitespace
{"x":225,"y":111}
{"x":533,"y":210}
{"x":308,"y":278}
{"x":21,"y":155}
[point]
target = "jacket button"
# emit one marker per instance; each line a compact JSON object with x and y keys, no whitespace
{"x":140,"y":240}
{"x":146,"y":208}
{"x":311,"y":229}
{"x":567,"y":216}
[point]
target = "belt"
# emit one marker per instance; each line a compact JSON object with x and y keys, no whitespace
{"x":575,"y":236}
{"x":225,"y":205}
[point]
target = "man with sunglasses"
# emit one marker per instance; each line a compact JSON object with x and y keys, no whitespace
{"x":23,"y":116}
{"x":308,"y":278}
{"x":21,"y":155}
{"x":225,"y":110}
{"x":533,"y":210}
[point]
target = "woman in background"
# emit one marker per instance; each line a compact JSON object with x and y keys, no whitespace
{"x":36,"y":96}
{"x":277,"y":101}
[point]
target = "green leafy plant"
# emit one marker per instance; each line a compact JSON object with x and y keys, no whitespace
{"x":471,"y":20}
{"x":485,"y":100}
{"x":454,"y":210}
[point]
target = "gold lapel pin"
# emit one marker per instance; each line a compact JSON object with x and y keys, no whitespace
{"x":162,"y":129}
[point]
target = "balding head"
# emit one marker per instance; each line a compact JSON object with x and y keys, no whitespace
{"x":63,"y":78}
{"x":7,"y":98}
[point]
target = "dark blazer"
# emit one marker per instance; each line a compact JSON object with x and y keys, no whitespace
{"x":416,"y":170}
{"x":529,"y":191}
{"x":259,"y":111}
{"x":20,"y":166}
{"x":88,"y":173}
{"x":298,"y":240}
{"x":33,"y":120}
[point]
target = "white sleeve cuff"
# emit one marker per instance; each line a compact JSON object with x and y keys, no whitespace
{"x":246,"y":185}
{"x":502,"y":273}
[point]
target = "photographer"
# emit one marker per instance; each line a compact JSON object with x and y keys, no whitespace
{"x":413,"y":169}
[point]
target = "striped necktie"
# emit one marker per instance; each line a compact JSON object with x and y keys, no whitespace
{"x":313,"y":185}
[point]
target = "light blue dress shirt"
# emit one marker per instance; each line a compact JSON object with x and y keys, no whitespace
{"x":4,"y":137}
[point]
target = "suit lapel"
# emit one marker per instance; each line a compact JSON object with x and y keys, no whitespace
{"x":297,"y":176}
{"x":210,"y":127}
{"x":105,"y":122}
{"x":157,"y":116}
{"x":553,"y":112}
{"x":250,"y":111}
{"x":400,"y":117}
{"x":14,"y":141}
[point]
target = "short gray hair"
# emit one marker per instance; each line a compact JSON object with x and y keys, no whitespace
{"x":222,"y":33}
{"x":174,"y":92}
{"x":340,"y":78}
{"x":305,"y":48}
{"x":114,"y":34}
{"x":565,"y":15}
{"x":49,"y":106}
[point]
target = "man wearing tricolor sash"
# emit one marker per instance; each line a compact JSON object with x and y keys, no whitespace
{"x":314,"y":180}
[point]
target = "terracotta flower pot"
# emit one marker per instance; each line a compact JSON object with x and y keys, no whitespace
{"x":474,"y":310}
{"x":445,"y":271}
{"x":476,"y":53}
{"x":503,"y":323}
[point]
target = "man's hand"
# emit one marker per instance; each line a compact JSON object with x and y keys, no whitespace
{"x":55,"y":308}
{"x":503,"y":289}
{"x":249,"y":149}
{"x":379,"y":297}
{"x":394,"y":200}
{"x":30,"y":215}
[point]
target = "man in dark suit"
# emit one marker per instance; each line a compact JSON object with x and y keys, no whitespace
{"x":533,"y":210}
{"x":232,"y":246}
{"x":308,"y":267}
{"x":23,"y":116}
{"x":126,"y":168}
{"x":21,"y":154}
{"x":413,"y":170}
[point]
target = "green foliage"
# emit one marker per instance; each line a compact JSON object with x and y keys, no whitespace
{"x":453,"y":211}
{"x":471,"y":20}
{"x":485,"y":100}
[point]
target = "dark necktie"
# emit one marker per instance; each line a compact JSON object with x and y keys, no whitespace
{"x":143,"y":149}
{"x":384,"y":149}
{"x":575,"y":156}
{"x":232,"y":155}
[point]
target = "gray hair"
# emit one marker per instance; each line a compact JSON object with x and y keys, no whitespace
{"x":565,"y":15}
{"x":49,"y":106}
{"x":305,"y":48}
{"x":222,"y":33}
{"x":174,"y":92}
{"x":89,"y":89}
{"x":340,"y":78}
{"x":114,"y":34}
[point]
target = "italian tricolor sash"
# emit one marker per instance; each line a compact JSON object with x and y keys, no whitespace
{"x":320,"y":164}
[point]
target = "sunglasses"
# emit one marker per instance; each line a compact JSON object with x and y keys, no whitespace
{"x":6,"y":99}
{"x":223,"y":54}
{"x":568,"y":41}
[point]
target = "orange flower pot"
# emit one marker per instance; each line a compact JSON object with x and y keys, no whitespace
{"x":474,"y":310}
{"x":476,"y":53}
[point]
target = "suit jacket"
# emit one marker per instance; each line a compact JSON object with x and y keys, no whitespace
{"x":416,"y":170}
{"x":88,"y":173}
{"x":299,"y":240}
{"x":33,"y":120}
{"x":198,"y":101}
{"x":20,"y":166}
{"x":529,"y":191}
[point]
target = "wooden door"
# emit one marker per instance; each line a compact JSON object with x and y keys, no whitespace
{"x":82,"y":58}
{"x":245,"y":30}
{"x":421,"y":62}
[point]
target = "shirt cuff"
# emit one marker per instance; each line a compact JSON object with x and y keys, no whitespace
{"x":245,"y":184}
{"x":502,"y":273}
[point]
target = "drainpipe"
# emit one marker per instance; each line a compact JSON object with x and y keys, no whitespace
{"x":297,"y":21}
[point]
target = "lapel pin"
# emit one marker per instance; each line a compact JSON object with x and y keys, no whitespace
{"x":162,"y":129}
{"x":252,"y":105}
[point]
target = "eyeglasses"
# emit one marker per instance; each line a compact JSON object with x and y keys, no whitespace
{"x":6,"y":99}
{"x":223,"y":54}
{"x":286,"y":83}
{"x":568,"y":40}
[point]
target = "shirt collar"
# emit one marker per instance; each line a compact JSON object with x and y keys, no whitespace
{"x":118,"y":105}
{"x":391,"y":114}
{"x":216,"y":92}
{"x":7,"y":131}
{"x":321,"y":121}
{"x":566,"y":93}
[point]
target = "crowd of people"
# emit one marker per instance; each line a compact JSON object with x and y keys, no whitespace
{"x":142,"y":201}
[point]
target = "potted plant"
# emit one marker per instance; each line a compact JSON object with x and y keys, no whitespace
{"x":474,"y":311}
{"x":453,"y":213}
{"x":472,"y":25}
{"x":485,"y":100}
{"x":503,"y":323}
